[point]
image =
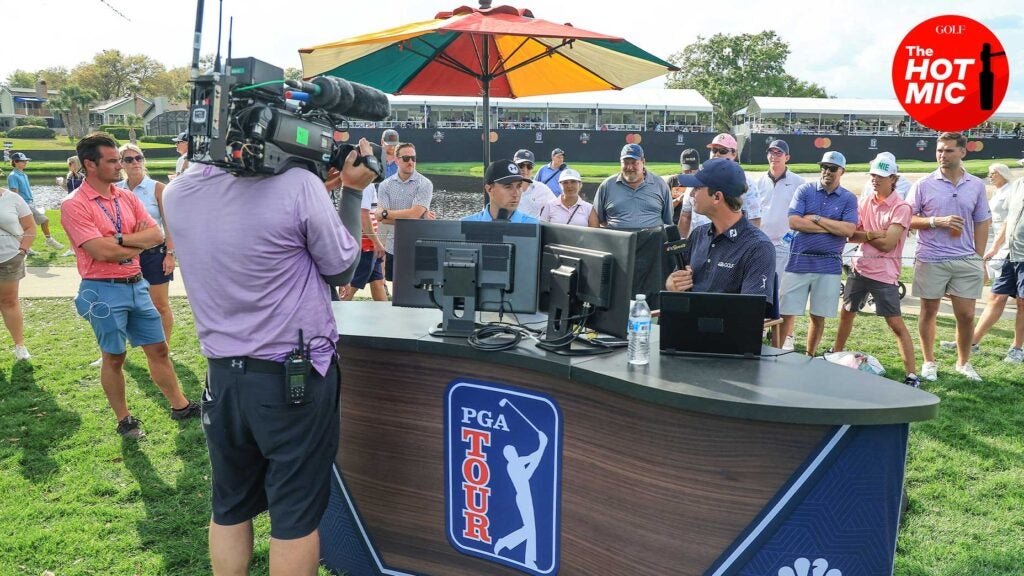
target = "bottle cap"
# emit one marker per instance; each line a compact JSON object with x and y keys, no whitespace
{"x":640,"y":297}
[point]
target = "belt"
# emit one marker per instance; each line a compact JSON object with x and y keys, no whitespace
{"x":128,"y":280}
{"x":247,"y":364}
{"x":158,"y":249}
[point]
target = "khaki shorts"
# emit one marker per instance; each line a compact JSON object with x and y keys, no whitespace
{"x":962,"y":277}
{"x":14,"y":269}
{"x":38,"y":215}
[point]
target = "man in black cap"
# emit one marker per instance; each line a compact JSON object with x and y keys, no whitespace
{"x":729,"y":254}
{"x":389,"y":141}
{"x":682,"y":205}
{"x":181,"y":147}
{"x":504,"y":187}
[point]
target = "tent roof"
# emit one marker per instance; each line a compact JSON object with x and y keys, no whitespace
{"x":672,"y":100}
{"x":777,"y":106}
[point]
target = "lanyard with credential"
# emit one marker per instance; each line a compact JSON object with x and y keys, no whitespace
{"x":117,"y":210}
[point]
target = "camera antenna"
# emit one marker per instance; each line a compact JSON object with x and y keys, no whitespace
{"x":231,"y":28}
{"x":220,"y":26}
{"x":197,"y":39}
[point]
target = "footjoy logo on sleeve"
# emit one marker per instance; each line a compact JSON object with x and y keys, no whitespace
{"x":503,"y":474}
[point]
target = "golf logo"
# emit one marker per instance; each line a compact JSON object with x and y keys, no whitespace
{"x":950,"y":73}
{"x":503,"y":459}
{"x":804,"y":567}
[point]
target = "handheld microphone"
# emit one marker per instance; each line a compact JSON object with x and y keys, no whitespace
{"x":502,"y":214}
{"x":679,"y":251}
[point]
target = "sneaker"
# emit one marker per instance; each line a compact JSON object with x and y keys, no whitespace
{"x":129,"y":427}
{"x":788,"y":344}
{"x":190,"y":411}
{"x":68,"y":252}
{"x":1014,"y":356}
{"x":97,"y":363}
{"x":31,"y":252}
{"x":21,"y":353}
{"x":53,"y":243}
{"x":912,"y":380}
{"x":951,"y":345}
{"x":930,"y":371}
{"x":967,"y":371}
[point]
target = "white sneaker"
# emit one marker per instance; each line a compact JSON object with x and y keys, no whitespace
{"x":930,"y":371}
{"x":53,"y":243}
{"x":31,"y":252}
{"x":788,"y":344}
{"x":68,"y":252}
{"x":21,"y":353}
{"x":967,"y":371}
{"x":951,"y":345}
{"x":97,"y":363}
{"x":1014,"y":356}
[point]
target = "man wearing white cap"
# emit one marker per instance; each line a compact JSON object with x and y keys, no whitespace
{"x":883,"y":220}
{"x":535,"y":194}
{"x":823,"y":214}
{"x":569,"y":208}
{"x":902,"y":184}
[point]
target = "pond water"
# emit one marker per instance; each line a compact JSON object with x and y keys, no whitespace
{"x":448,"y":205}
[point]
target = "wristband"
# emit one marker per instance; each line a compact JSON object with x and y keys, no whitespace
{"x":931,"y":221}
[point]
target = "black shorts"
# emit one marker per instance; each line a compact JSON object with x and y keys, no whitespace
{"x":152,"y":263}
{"x":887,"y":296}
{"x":266,"y":454}
{"x":368,"y":270}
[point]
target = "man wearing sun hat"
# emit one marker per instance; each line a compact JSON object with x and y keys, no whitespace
{"x":883,"y":220}
{"x":728,"y":254}
{"x":504,"y":187}
{"x":823,"y":214}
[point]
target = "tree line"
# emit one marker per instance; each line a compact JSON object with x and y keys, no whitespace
{"x":726,"y":69}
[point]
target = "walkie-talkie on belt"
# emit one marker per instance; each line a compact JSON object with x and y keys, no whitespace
{"x":296,"y":371}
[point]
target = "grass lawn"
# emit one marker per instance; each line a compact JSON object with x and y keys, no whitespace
{"x":80,"y":501}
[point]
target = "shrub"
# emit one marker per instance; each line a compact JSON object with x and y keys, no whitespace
{"x":157,"y":139}
{"x":31,"y":121}
{"x":120,"y":131}
{"x":31,"y":132}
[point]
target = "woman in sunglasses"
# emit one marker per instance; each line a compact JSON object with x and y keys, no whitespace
{"x":157,"y":262}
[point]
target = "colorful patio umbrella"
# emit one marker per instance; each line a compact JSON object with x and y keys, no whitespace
{"x":501,"y":51}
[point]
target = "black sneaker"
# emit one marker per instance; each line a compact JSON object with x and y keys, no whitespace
{"x":190,"y":411}
{"x":129,"y":427}
{"x":912,"y":380}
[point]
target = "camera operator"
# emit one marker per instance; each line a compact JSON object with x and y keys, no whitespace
{"x":252,"y":293}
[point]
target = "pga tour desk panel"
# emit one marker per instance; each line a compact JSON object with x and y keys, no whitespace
{"x":458,"y":462}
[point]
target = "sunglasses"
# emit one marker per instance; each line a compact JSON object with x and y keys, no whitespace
{"x":716,"y":150}
{"x":527,"y":165}
{"x":776,"y":152}
{"x":133,"y":159}
{"x":829,"y":168}
{"x":407,"y":158}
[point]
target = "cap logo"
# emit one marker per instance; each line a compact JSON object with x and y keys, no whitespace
{"x":512,"y":169}
{"x":884,"y":166}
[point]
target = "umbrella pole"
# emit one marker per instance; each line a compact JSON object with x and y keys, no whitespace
{"x":487,"y":109}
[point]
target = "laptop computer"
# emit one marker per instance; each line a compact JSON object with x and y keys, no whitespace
{"x":712,"y":324}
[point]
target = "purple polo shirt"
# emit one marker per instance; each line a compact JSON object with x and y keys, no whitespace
{"x":252,"y":251}
{"x":935,"y":195}
{"x":820,"y":252}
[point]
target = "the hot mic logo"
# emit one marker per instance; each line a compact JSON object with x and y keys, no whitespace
{"x":950,"y":73}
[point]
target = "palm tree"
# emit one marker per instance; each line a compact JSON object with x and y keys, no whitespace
{"x":73,"y":104}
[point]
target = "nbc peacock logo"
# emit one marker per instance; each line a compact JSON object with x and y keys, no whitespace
{"x":804,"y":567}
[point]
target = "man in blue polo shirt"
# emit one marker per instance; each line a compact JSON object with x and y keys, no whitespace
{"x":634,"y":198}
{"x":823,"y":215}
{"x":504,"y":187}
{"x":729,"y":254}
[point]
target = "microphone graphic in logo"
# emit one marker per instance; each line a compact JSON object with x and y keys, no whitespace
{"x":986,"y":78}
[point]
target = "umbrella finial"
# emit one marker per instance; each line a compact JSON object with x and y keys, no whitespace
{"x":485,"y":4}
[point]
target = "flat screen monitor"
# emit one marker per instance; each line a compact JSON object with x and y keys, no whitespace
{"x":465,"y":267}
{"x":586,"y":265}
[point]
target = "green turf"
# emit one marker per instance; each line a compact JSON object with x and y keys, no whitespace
{"x":80,"y":501}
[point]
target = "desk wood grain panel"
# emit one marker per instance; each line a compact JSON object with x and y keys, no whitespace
{"x":646,"y":489}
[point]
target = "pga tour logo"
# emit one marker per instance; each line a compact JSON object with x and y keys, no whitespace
{"x":503,"y":459}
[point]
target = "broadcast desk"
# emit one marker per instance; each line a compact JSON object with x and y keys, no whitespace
{"x":459,"y":462}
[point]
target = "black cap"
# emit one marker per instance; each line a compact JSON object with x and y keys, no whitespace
{"x":503,"y":172}
{"x":689,"y":159}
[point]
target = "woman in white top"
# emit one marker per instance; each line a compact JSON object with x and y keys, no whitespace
{"x":1000,"y":176}
{"x":569,"y":208}
{"x":17,"y":231}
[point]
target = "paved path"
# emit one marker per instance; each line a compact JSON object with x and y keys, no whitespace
{"x":62,"y":282}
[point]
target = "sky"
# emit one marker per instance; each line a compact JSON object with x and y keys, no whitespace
{"x":846,"y":47}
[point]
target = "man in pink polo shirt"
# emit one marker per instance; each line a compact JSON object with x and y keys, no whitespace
{"x":108,"y":228}
{"x":883,"y":220}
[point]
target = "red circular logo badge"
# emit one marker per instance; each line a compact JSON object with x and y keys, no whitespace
{"x":950,"y":73}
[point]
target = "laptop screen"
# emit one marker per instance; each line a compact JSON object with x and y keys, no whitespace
{"x":716,"y":324}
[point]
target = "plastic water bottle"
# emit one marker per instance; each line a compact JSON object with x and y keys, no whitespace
{"x":640,"y":331}
{"x":788,"y":238}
